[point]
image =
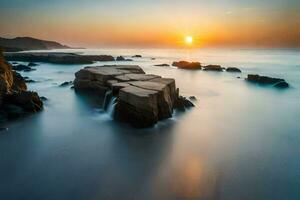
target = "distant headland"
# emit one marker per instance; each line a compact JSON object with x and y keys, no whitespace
{"x":29,"y":43}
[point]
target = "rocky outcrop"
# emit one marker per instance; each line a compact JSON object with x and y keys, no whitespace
{"x":142,"y":99}
{"x":162,"y":65}
{"x":15,"y":100}
{"x":265,"y":80}
{"x":21,"y":67}
{"x":233,"y":69}
{"x":31,"y":64}
{"x":66,"y":83}
{"x":58,"y":58}
{"x":216,"y":68}
{"x":120,"y":58}
{"x":187,"y":65}
{"x":137,"y":56}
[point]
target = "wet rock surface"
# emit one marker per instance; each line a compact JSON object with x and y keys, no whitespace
{"x":15,"y":100}
{"x":187,"y":65}
{"x":216,"y":68}
{"x":141,"y":99}
{"x":233,"y":69}
{"x":66,"y":83}
{"x":265,"y":80}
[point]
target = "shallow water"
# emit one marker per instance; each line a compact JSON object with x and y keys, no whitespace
{"x":241,"y":141}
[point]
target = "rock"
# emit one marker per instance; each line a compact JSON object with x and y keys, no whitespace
{"x":27,"y":100}
{"x":142,"y":99}
{"x":120,"y":58}
{"x":187,"y":65}
{"x":162,"y":65}
{"x":137,"y":56}
{"x":44,"y":98}
{"x":31,"y":64}
{"x":3,"y":129}
{"x":182,"y":103}
{"x":193,"y":98}
{"x":13,"y":111}
{"x":58,"y":58}
{"x":19,"y":83}
{"x":265,"y":80}
{"x":281,"y":84}
{"x":233,"y":69}
{"x":66,"y":83}
{"x":128,"y":59}
{"x":238,"y":77}
{"x":29,"y":81}
{"x":21,"y":67}
{"x":213,"y":68}
{"x":15,"y":100}
{"x":152,"y":58}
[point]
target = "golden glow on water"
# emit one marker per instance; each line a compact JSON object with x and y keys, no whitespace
{"x":194,"y":180}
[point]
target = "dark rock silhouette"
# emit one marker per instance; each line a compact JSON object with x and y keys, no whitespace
{"x":66,"y":83}
{"x":21,"y":67}
{"x":193,"y":98}
{"x":31,"y":64}
{"x":120,"y":58}
{"x":182,"y":103}
{"x":137,"y":56}
{"x":187,"y":65}
{"x":162,"y":65}
{"x":265,"y":80}
{"x":217,"y":68}
{"x":15,"y":100}
{"x":233,"y":69}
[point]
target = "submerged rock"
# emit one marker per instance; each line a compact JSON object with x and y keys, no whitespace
{"x":21,"y":67}
{"x":162,"y":65}
{"x":66,"y":83}
{"x":44,"y":98}
{"x":187,"y":65}
{"x":217,"y":68}
{"x":281,"y":84}
{"x":31,"y":64}
{"x":233,"y":69}
{"x":265,"y":80}
{"x":142,"y":99}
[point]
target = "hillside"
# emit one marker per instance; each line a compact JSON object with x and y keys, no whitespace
{"x":28,"y":43}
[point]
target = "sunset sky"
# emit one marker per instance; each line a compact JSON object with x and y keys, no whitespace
{"x":155,"y":23}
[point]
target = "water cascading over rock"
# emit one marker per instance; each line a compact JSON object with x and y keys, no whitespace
{"x":138,"y":98}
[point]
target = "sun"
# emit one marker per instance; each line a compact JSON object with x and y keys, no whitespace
{"x":188,"y":40}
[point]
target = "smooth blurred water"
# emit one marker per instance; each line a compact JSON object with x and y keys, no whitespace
{"x":241,"y":141}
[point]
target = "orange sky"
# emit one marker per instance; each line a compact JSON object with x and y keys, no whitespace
{"x":156,"y":23}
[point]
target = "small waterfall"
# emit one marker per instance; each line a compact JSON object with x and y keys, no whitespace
{"x":107,"y":99}
{"x":111,"y":106}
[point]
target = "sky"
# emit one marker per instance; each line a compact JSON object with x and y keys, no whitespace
{"x":155,"y":23}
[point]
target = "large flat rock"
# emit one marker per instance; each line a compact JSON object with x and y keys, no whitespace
{"x":142,"y":99}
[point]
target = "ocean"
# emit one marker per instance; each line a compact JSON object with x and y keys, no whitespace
{"x":241,"y":141}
